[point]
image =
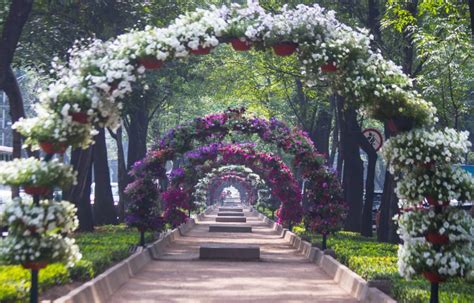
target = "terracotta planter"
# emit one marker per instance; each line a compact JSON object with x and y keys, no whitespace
{"x":434,"y":202}
{"x":433,"y":277}
{"x":436,"y":238}
{"x":37,"y":190}
{"x":328,"y":68}
{"x":35,"y":265}
{"x":150,"y":62}
{"x":53,"y":148}
{"x":79,"y":117}
{"x":239,"y":45}
{"x":201,"y":51}
{"x":284,"y":49}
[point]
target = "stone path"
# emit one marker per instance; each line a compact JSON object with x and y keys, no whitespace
{"x":282,"y":275}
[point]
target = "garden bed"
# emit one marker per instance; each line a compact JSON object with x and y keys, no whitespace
{"x":375,"y":262}
{"x":100,"y":250}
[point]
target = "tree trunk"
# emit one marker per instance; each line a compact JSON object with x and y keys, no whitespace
{"x":137,"y":134}
{"x":122,"y":174}
{"x":79,"y":194}
{"x":104,"y":209}
{"x":353,"y":171}
{"x":335,"y":133}
{"x":366,"y":227}
{"x":17,"y":111}
{"x":17,"y":16}
{"x":320,"y":133}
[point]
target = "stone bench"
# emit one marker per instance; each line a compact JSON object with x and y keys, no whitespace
{"x":238,"y":252}
{"x":230,"y":229}
{"x":231,"y":209}
{"x":231,"y":219}
{"x":229,"y":214}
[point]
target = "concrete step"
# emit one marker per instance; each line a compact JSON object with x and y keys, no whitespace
{"x":234,"y":209}
{"x":239,"y":252}
{"x":230,"y":229}
{"x":229,"y":214}
{"x":231,"y":219}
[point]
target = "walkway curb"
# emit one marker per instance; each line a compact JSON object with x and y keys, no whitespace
{"x":107,"y":283}
{"x":341,"y":274}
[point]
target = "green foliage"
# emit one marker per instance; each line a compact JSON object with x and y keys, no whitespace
{"x":101,"y":249}
{"x":373,"y":260}
{"x":418,"y":291}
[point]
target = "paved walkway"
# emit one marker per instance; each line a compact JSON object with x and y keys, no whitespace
{"x":282,"y":275}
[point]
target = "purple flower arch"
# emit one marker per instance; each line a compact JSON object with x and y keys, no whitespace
{"x":218,"y":183}
{"x":177,"y":199}
{"x":180,"y":141}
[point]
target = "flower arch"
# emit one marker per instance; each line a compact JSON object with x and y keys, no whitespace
{"x":215,"y":127}
{"x":206,"y":190}
{"x":177,"y":199}
{"x":90,"y":87}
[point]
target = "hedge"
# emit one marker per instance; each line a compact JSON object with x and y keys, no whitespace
{"x":374,"y":260}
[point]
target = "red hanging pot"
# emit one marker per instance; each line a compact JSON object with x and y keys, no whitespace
{"x":37,"y":190}
{"x":433,"y":277}
{"x":201,"y":51}
{"x":150,"y":62}
{"x":53,"y":148}
{"x":436,"y":238}
{"x":141,"y":229}
{"x":35,"y":265}
{"x":79,"y":117}
{"x":328,"y":68}
{"x":239,"y":45}
{"x":434,"y":202}
{"x":284,"y":49}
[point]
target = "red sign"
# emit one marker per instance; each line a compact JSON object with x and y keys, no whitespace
{"x":374,"y":137}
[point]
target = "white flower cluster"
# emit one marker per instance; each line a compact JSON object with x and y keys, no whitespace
{"x":437,"y":238}
{"x":47,"y":127}
{"x":37,"y":232}
{"x":50,"y":249}
{"x":441,"y":183}
{"x":453,"y":222}
{"x":419,"y":256}
{"x":34,"y":172}
{"x":25,"y":218}
{"x":425,"y":147}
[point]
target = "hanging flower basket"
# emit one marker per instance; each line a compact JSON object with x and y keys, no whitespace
{"x":150,"y":62}
{"x":433,"y":277}
{"x":35,"y":265}
{"x":53,"y":148}
{"x":240,"y":45}
{"x":141,"y":229}
{"x":436,"y":238}
{"x":37,"y":190}
{"x":434,"y":202}
{"x":328,"y":68}
{"x":284,"y":49}
{"x":201,"y":51}
{"x":79,"y":117}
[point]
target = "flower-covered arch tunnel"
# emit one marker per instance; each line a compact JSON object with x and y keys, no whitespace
{"x":98,"y":76}
{"x":207,"y":190}
{"x":177,"y":198}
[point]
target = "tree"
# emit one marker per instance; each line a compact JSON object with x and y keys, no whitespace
{"x":17,"y":15}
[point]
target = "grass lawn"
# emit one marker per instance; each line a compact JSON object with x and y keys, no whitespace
{"x":101,"y":249}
